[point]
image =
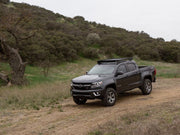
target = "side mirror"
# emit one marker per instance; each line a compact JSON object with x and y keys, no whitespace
{"x":119,"y":73}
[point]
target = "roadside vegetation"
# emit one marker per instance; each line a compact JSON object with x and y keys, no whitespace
{"x":42,"y":91}
{"x":49,"y":91}
{"x":163,"y":119}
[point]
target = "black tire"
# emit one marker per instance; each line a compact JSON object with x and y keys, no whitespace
{"x":79,"y":100}
{"x":110,"y":97}
{"x":146,"y":88}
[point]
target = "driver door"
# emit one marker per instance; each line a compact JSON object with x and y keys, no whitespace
{"x":122,"y":80}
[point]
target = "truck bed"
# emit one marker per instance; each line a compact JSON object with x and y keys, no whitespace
{"x":143,"y":68}
{"x":148,"y":69}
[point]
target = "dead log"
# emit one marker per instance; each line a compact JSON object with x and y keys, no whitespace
{"x":4,"y":77}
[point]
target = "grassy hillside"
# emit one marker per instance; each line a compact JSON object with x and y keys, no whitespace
{"x":59,"y":38}
{"x":49,"y":91}
{"x":69,"y":70}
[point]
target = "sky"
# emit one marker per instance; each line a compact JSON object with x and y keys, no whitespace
{"x":158,"y":18}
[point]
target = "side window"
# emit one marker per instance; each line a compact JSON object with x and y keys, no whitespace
{"x":122,"y":68}
{"x":131,"y":67}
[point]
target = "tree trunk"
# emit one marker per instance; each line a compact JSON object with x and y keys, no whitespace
{"x":16,"y":64}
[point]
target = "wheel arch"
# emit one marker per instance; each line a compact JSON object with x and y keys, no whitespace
{"x":148,"y":77}
{"x":112,"y":85}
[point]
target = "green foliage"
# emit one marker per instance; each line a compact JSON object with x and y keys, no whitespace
{"x":79,"y":18}
{"x":93,"y":38}
{"x":60,"y":39}
{"x":148,"y":52}
{"x":124,"y":51}
{"x":4,"y":1}
{"x":170,"y":53}
{"x":90,"y":53}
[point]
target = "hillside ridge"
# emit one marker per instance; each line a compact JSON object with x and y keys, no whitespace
{"x":59,"y":38}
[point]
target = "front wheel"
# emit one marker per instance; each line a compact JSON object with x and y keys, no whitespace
{"x":146,"y":88}
{"x":110,"y":96}
{"x":79,"y":100}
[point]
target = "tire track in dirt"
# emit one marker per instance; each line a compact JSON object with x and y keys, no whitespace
{"x":81,"y":119}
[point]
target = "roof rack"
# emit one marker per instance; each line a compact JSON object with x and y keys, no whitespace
{"x":114,"y":61}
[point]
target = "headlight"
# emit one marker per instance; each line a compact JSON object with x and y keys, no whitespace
{"x":96,"y":84}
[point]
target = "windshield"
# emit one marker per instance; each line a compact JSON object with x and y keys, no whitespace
{"x":102,"y":70}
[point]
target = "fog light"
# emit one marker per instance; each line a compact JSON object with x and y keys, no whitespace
{"x":96,"y":94}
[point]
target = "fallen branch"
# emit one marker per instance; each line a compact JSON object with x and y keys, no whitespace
{"x":4,"y":77}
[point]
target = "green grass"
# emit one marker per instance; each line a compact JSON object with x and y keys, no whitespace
{"x":63,"y":72}
{"x":67,"y":71}
{"x":51,"y":90}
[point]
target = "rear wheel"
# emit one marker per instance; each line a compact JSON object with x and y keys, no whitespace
{"x":79,"y":100}
{"x":146,"y":88}
{"x":110,"y":96}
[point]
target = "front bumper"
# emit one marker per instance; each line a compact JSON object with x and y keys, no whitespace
{"x":90,"y":94}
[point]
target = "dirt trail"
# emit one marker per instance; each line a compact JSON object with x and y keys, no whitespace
{"x":81,"y":119}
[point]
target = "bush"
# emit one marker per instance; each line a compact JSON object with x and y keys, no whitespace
{"x":4,"y":1}
{"x":79,"y":18}
{"x":53,"y":26}
{"x":124,"y":52}
{"x":148,"y":53}
{"x":68,"y":52}
{"x":170,"y":53}
{"x":90,"y":53}
{"x":93,"y":38}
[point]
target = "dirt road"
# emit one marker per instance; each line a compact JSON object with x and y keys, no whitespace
{"x":77,"y":120}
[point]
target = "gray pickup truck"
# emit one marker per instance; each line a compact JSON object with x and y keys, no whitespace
{"x":109,"y":78}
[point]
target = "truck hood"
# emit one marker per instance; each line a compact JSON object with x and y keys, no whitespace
{"x":90,"y":78}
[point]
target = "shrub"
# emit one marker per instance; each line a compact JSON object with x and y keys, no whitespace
{"x":90,"y":53}
{"x":170,"y":53}
{"x":93,"y":38}
{"x":4,"y":1}
{"x":148,"y":53}
{"x":79,"y":18}
{"x":124,"y":51}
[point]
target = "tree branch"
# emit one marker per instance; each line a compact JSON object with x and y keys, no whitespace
{"x":14,"y":35}
{"x":27,"y":37}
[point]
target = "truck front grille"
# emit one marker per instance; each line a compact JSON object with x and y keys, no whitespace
{"x":82,"y":86}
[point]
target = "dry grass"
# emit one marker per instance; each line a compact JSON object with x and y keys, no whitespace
{"x":163,"y":119}
{"x":43,"y":95}
{"x":43,"y":92}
